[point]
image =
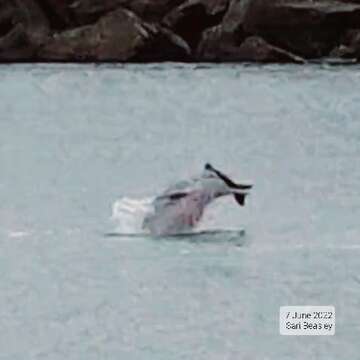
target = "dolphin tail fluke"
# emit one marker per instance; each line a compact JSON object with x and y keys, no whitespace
{"x":240,"y":199}
{"x":227,"y":180}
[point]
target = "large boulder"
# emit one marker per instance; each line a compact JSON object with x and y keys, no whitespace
{"x":307,"y":27}
{"x":152,"y":10}
{"x":349,"y":46}
{"x":222,"y":42}
{"x":58,"y":12}
{"x":31,"y":15}
{"x":7,"y":11}
{"x":252,"y":49}
{"x":88,"y":11}
{"x":217,"y":44}
{"x":191,"y":18}
{"x":118,"y":36}
{"x":23,"y":29}
{"x":164,"y":46}
{"x":234,"y":17}
{"x":16,"y":45}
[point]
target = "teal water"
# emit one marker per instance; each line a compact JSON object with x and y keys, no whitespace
{"x":75,"y":139}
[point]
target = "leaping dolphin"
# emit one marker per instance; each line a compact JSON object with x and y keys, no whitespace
{"x":180,"y":208}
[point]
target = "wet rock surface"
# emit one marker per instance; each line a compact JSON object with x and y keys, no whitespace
{"x":179,"y":30}
{"x":119,"y":36}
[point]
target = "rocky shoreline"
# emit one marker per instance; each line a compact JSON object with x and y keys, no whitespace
{"x":281,"y":31}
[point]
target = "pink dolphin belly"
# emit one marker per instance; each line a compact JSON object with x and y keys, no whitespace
{"x":177,"y":217}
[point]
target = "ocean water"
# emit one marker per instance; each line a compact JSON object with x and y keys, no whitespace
{"x":75,"y":140}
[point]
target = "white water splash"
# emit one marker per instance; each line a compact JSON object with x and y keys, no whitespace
{"x":128,"y":214}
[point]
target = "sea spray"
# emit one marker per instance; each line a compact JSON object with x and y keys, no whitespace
{"x":128,"y":214}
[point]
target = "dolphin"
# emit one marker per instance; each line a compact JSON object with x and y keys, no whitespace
{"x":180,"y":208}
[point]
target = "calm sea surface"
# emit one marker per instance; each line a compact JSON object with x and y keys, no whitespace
{"x":74,"y":139}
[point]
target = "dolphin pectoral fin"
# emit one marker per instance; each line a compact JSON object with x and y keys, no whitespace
{"x":240,"y":199}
